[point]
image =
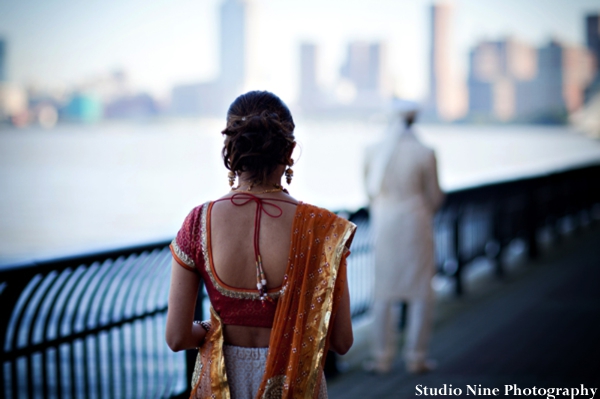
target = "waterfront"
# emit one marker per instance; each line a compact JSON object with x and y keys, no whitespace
{"x":77,"y":188}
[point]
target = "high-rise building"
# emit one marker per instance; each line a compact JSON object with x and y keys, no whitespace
{"x":3,"y":73}
{"x":309,"y":88}
{"x":446,"y":93}
{"x":496,"y":68}
{"x":233,"y":46}
{"x":213,"y":97}
{"x":365,"y":69}
{"x":592,"y":36}
{"x":592,"y":30}
{"x":573,"y":67}
{"x":361,"y":66}
{"x":564,"y":71}
{"x":484,"y":69}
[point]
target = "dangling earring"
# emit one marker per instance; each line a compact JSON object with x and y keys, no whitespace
{"x":231,"y":177}
{"x":289,"y":173}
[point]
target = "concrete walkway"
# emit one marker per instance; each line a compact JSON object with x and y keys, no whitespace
{"x":539,"y":327}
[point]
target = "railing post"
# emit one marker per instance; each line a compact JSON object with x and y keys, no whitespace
{"x":532,"y":222}
{"x":497,"y":220}
{"x":458,"y":283}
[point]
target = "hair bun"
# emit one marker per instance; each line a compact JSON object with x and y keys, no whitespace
{"x":259,"y":135}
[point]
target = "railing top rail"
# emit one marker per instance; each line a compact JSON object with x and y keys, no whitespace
{"x":61,"y":263}
{"x":525,"y":178}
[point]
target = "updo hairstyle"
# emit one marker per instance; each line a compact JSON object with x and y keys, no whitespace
{"x":259,"y":135}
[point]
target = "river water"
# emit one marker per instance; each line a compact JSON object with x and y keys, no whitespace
{"x":77,"y":188}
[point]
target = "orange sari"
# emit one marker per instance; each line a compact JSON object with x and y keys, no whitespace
{"x":312,"y":287}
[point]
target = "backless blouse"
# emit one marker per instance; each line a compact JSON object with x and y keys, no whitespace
{"x":236,"y":306}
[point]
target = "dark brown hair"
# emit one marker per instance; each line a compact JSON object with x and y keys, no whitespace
{"x":259,"y":135}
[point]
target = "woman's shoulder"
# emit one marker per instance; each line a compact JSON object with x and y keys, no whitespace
{"x":194,"y":217}
{"x":197,"y":210}
{"x":313,"y":211}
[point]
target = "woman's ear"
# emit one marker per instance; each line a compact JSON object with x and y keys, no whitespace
{"x":289,"y":156}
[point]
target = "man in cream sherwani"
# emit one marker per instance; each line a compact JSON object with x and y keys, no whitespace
{"x":402,"y":182}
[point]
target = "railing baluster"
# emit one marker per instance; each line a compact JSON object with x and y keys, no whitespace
{"x":7,"y":383}
{"x":75,"y":368}
{"x":58,"y":369}
{"x":127,"y":381}
{"x":98,"y":350}
{"x":51,"y":370}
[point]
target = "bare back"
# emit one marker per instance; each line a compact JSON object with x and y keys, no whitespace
{"x":232,"y":246}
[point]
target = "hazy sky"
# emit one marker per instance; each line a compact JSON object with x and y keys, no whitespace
{"x":164,"y":42}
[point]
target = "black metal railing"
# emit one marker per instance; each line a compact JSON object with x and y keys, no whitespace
{"x":483,"y":221}
{"x":92,"y":326}
{"x":360,"y":265}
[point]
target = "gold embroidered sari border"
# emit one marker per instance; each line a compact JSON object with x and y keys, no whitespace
{"x":327,"y":309}
{"x":274,"y":387}
{"x":218,"y":371}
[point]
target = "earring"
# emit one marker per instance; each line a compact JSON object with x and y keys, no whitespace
{"x":231,"y":177}
{"x":289,"y":173}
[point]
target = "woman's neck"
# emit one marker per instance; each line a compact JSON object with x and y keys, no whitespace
{"x":251,"y":186}
{"x":273,"y":181}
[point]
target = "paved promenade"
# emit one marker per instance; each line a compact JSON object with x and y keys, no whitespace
{"x":539,"y":327}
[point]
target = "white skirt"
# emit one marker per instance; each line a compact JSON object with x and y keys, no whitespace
{"x":245,"y":369}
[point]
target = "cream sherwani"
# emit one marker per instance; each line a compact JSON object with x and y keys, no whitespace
{"x":402,"y":209}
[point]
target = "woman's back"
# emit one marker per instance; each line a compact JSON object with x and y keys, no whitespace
{"x":232,"y":232}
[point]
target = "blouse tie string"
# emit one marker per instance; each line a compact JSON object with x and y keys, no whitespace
{"x":262,"y":206}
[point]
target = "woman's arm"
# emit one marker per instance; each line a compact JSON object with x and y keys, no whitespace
{"x":181,"y":332}
{"x":341,"y":338}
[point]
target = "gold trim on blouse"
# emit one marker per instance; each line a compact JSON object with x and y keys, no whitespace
{"x":181,"y":257}
{"x":231,"y":292}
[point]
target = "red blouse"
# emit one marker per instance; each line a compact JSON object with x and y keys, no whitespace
{"x":236,"y":306}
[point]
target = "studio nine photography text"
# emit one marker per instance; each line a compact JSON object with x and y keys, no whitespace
{"x":508,"y":390}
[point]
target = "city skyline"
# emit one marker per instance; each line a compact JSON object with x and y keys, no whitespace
{"x":511,"y":80}
{"x":77,"y":45}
